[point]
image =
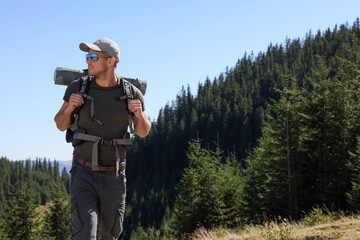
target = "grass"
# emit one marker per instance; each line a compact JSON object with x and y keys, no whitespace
{"x":344,"y":227}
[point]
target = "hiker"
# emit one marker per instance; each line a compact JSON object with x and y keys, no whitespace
{"x":97,"y":111}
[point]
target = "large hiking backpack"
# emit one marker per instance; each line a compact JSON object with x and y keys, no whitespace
{"x":84,"y":86}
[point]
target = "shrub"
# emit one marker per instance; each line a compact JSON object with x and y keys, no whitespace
{"x":280,"y":229}
{"x":318,"y":215}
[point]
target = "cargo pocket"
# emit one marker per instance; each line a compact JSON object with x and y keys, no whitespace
{"x":76,"y":224}
{"x":118,"y":225}
{"x":72,"y":174}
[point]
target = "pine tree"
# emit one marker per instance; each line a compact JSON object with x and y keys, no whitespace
{"x":209,"y":192}
{"x":57,"y":221}
{"x":252,"y":200}
{"x":272,"y":175}
{"x":353,"y":196}
{"x":20,"y":216}
{"x":65,"y":178}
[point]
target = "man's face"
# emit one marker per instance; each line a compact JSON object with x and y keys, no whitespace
{"x":100,"y":65}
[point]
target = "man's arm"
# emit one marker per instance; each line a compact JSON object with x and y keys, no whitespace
{"x":142,"y":124}
{"x":63,"y":117}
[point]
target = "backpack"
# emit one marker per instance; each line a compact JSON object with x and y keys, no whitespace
{"x":76,"y":135}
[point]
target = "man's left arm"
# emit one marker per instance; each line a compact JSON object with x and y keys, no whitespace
{"x":142,"y":124}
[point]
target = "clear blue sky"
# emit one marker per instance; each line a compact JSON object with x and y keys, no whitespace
{"x":169,"y":43}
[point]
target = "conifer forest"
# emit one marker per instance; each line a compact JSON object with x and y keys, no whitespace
{"x":275,"y":135}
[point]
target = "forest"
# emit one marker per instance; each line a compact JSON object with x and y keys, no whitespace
{"x":275,"y":135}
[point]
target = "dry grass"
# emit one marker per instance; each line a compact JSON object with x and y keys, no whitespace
{"x":248,"y":233}
{"x":344,"y":228}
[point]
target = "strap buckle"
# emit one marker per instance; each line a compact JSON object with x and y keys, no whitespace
{"x":107,"y":142}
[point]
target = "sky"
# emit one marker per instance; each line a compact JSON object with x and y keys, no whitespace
{"x":172,"y":44}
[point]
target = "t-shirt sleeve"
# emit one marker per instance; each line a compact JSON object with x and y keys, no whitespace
{"x":72,"y":88}
{"x":138,"y":95}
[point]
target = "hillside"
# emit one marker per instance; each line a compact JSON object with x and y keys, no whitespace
{"x":290,"y":118}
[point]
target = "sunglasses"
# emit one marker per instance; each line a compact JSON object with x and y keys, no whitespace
{"x":94,"y":57}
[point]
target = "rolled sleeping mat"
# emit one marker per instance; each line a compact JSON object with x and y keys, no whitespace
{"x":64,"y":76}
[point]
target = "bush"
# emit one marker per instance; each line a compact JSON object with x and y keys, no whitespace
{"x":318,"y":215}
{"x":280,"y":229}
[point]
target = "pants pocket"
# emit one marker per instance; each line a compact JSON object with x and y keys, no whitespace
{"x":118,"y":225}
{"x":76,"y":224}
{"x":72,"y":173}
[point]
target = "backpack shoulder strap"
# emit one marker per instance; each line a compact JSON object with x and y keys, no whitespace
{"x":127,"y":95}
{"x":85,"y":84}
{"x":83,"y":88}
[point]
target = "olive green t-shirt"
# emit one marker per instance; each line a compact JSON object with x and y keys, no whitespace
{"x":111,"y":112}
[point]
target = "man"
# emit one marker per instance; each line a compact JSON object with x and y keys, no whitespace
{"x":98,"y":182}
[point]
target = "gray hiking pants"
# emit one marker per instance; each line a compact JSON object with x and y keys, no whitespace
{"x":96,"y":197}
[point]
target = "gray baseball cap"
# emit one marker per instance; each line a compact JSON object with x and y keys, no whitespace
{"x":103,"y":45}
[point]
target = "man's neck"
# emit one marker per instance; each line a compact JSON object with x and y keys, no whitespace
{"x":106,"y":80}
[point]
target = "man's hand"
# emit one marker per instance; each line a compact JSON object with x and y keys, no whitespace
{"x":75,"y":100}
{"x":142,"y":124}
{"x":135,"y":106}
{"x":63,"y":117}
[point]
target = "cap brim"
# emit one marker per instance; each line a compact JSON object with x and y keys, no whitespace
{"x":87,"y":46}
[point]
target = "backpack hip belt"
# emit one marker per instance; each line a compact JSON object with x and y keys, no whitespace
{"x":95,"y":148}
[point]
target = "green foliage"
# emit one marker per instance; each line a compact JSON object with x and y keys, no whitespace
{"x":57,"y":220}
{"x":43,"y":175}
{"x":208,"y":193}
{"x":278,"y":229}
{"x":353,"y":196}
{"x":295,"y":148}
{"x":20,"y":219}
{"x":303,"y":157}
{"x":141,"y":233}
{"x":23,"y":187}
{"x":318,"y":215}
{"x":272,"y":171}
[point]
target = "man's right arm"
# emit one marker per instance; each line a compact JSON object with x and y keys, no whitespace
{"x":63,"y":117}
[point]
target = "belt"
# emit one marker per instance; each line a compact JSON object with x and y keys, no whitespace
{"x":122,"y":166}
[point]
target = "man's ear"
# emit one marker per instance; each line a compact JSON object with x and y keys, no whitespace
{"x":112,"y":61}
